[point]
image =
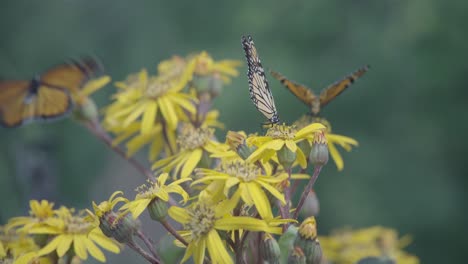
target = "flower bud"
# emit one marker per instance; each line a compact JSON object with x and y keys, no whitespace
{"x":311,"y":205}
{"x":305,"y":146}
{"x":376,"y":260}
{"x":297,"y":256}
{"x":87,"y":111}
{"x":121,"y":228}
{"x":307,"y":240}
{"x":319,"y":152}
{"x":157,"y":209}
{"x":270,"y":250}
{"x":236,"y":142}
{"x":286,"y":157}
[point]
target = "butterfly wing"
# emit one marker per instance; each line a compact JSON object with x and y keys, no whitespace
{"x":71,"y":76}
{"x":332,"y":91}
{"x":300,"y":91}
{"x":25,"y":101}
{"x":260,"y":93}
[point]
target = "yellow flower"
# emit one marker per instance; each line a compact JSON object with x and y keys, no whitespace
{"x":193,"y":143}
{"x":348,"y":246}
{"x":154,"y":190}
{"x":108,"y":206}
{"x":69,"y":231}
{"x":40,"y":212}
{"x":203,"y":220}
{"x":251,"y":184}
{"x":19,"y":249}
{"x":282,"y":138}
{"x":345,"y":142}
{"x":205,"y":65}
{"x":152,"y":100}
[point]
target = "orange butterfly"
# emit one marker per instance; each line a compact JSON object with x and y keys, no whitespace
{"x":326,"y":96}
{"x":45,"y":97}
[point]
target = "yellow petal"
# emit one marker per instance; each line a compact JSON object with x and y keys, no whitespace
{"x":304,"y":132}
{"x":191,"y":163}
{"x":339,"y":138}
{"x":199,"y":251}
{"x":80,"y":247}
{"x":245,"y":223}
{"x":245,"y":194}
{"x":162,"y":179}
{"x":138,"y":207}
{"x":136,"y":113}
{"x":301,"y":159}
{"x":94,"y":250}
{"x":184,"y":103}
{"x":275,"y":144}
{"x":149,"y":117}
{"x":260,"y":200}
{"x":188,"y":252}
{"x":168,"y":112}
{"x":179,"y":214}
{"x":291,"y":145}
{"x":230,"y":182}
{"x":273,"y":191}
{"x":215,"y":245}
{"x":95,"y":85}
{"x":103,"y":241}
{"x":51,"y":246}
{"x":336,"y":156}
{"x":64,"y":245}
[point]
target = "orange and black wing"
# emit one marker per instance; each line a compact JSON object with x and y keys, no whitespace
{"x":260,"y":93}
{"x":300,"y":91}
{"x":25,"y":101}
{"x":332,"y":91}
{"x":71,"y":76}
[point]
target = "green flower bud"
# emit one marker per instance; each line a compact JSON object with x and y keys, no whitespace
{"x":236,"y":142}
{"x":319,"y":152}
{"x":270,"y":250}
{"x":297,"y":256}
{"x":121,"y":228}
{"x":376,"y":260}
{"x":87,"y":111}
{"x":307,"y":240}
{"x":41,"y":239}
{"x":157,"y":210}
{"x":305,"y":146}
{"x":311,"y":205}
{"x":286,"y":157}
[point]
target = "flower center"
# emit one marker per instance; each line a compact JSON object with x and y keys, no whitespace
{"x":191,"y":138}
{"x":158,"y":86}
{"x":202,"y":219}
{"x":282,"y":132}
{"x":147,"y":191}
{"x":242,"y":169}
{"x":77,"y":225}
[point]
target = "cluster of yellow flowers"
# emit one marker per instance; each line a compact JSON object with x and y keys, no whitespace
{"x":229,"y":194}
{"x":48,"y":231}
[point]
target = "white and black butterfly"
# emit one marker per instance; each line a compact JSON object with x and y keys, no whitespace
{"x":260,"y":92}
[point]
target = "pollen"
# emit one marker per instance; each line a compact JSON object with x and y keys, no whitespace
{"x":77,"y":225}
{"x":202,"y":220}
{"x":191,"y":138}
{"x":241,"y":169}
{"x":158,"y":86}
{"x":282,"y":132}
{"x":147,"y":191}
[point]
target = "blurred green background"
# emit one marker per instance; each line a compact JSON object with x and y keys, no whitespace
{"x":408,"y":112}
